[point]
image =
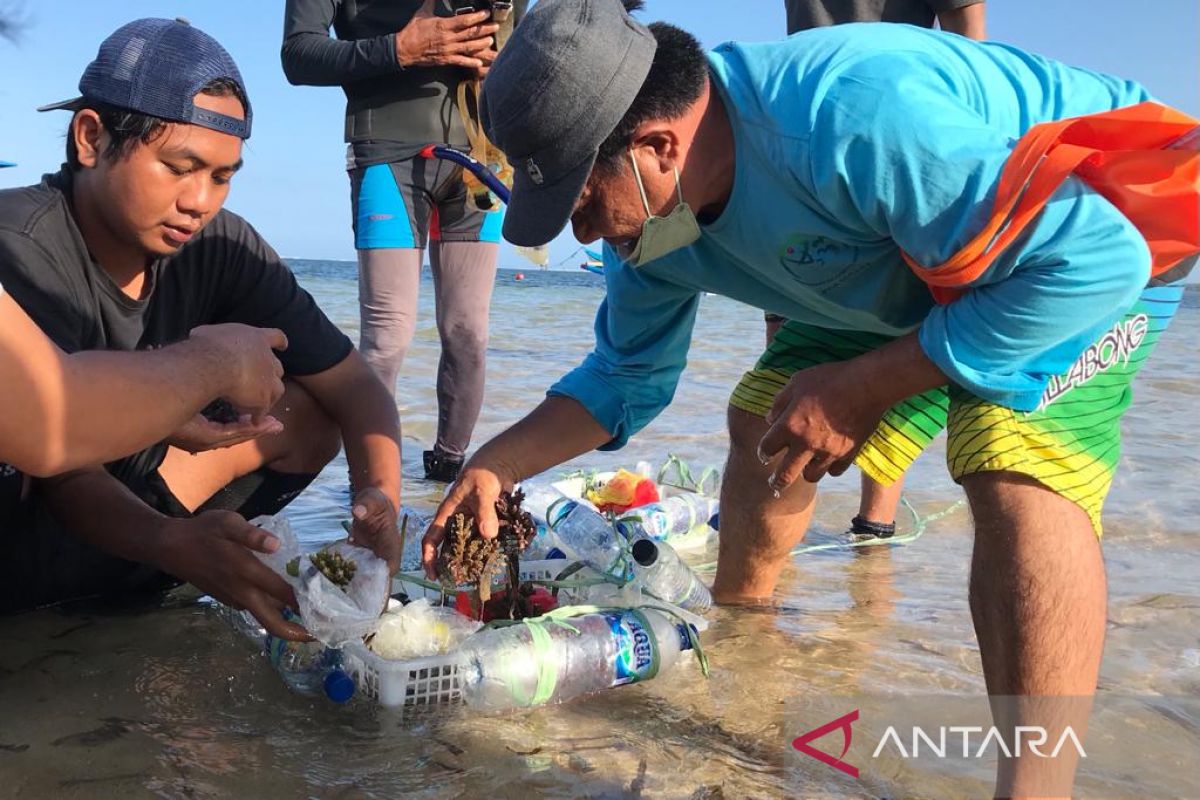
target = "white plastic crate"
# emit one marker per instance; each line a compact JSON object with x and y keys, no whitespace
{"x":414,"y":682}
{"x":433,"y":680}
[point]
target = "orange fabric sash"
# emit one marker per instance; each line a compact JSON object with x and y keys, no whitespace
{"x":1145,"y":159}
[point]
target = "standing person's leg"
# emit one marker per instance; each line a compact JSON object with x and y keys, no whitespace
{"x":464,"y":245}
{"x":464,"y":275}
{"x":904,"y":432}
{"x":1037,"y":482}
{"x":390,"y":220}
{"x":389,"y":282}
{"x":877,"y":506}
{"x":773,"y":323}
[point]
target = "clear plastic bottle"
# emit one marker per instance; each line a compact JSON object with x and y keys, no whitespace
{"x":539,"y":496}
{"x":542,"y":500}
{"x":306,"y":667}
{"x":415,"y":524}
{"x":512,"y":667}
{"x":243,"y":622}
{"x":302,"y":665}
{"x":585,"y":535}
{"x":674,"y":516}
{"x":662,"y":574}
{"x":310,"y":668}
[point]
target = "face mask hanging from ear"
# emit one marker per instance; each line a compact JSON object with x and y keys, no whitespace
{"x":662,"y":235}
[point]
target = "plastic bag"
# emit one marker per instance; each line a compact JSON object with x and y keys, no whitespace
{"x":332,"y":615}
{"x":419,"y":629}
{"x":416,"y":523}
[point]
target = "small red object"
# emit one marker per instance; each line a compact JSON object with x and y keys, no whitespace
{"x":541,"y":600}
{"x":645,"y":493}
{"x":462,"y":604}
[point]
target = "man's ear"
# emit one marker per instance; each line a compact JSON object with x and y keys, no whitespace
{"x":89,"y":136}
{"x":660,"y":136}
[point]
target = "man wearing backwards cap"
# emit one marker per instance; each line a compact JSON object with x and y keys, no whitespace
{"x":126,"y":247}
{"x":797,"y":176}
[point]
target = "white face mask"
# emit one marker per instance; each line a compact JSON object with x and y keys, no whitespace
{"x":662,"y":235}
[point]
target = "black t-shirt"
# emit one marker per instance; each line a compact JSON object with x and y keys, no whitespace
{"x":805,"y":14}
{"x":226,"y":273}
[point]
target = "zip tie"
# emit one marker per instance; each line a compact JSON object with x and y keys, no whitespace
{"x":919,"y":525}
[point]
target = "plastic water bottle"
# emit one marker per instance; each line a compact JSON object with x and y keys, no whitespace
{"x":243,"y":622}
{"x":545,"y":545}
{"x":543,"y":501}
{"x":539,"y":496}
{"x":585,"y":535}
{"x":675,"y":515}
{"x":414,"y":523}
{"x":662,"y":574}
{"x":310,"y":668}
{"x":512,"y":667}
{"x":306,"y":667}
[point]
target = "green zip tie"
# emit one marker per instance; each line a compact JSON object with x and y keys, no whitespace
{"x":919,"y":525}
{"x":693,"y":636}
{"x":686,"y":481}
{"x":428,"y":584}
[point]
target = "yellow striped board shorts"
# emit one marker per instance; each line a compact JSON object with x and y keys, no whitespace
{"x":1070,"y":443}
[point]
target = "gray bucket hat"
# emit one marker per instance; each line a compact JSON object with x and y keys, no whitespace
{"x":558,"y":89}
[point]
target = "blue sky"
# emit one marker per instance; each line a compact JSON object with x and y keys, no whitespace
{"x":294,"y":187}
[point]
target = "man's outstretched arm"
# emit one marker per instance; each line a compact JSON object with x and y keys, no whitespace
{"x":92,"y":407}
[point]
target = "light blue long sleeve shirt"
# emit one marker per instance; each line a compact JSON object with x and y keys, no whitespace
{"x":853,"y":143}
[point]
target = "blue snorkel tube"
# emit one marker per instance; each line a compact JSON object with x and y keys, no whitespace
{"x":538,"y":255}
{"x":480,"y":171}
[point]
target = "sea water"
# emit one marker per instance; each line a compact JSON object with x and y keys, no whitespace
{"x":102,"y":701}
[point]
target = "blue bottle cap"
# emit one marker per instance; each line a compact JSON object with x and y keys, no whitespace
{"x":339,"y":687}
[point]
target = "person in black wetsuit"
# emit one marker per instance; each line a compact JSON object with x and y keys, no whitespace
{"x":400,"y":63}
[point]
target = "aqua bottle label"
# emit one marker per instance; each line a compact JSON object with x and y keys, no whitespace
{"x":636,"y":658}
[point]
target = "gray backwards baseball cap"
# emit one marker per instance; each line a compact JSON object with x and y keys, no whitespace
{"x":561,"y":85}
{"x":156,"y":67}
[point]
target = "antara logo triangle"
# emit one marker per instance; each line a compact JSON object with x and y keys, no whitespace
{"x":842,"y":723}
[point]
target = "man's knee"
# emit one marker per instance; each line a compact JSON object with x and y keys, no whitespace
{"x":748,"y":478}
{"x":313,"y":439}
{"x":745,"y":432}
{"x":464,"y":343}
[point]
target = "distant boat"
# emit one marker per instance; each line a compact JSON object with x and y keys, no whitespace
{"x":594,"y":263}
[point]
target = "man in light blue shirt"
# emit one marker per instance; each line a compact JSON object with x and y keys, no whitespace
{"x":791,"y":176}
